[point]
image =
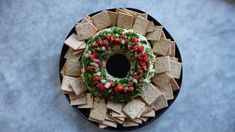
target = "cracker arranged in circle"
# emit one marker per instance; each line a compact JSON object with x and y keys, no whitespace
{"x":113,"y":17}
{"x":89,"y":102}
{"x":150,"y":94}
{"x":79,"y":101}
{"x":162,"y":47}
{"x":101,"y":20}
{"x":78,"y":85}
{"x":72,"y":68}
{"x":175,"y":69}
{"x":66,"y":86}
{"x":133,"y":108}
{"x":162,"y":64}
{"x":140,"y":25}
{"x":125,"y":20}
{"x":160,"y":103}
{"x":73,"y":42}
{"x":117,"y":107}
{"x":72,"y":54}
{"x":174,"y":85}
{"x":98,"y":112}
{"x":155,"y":35}
{"x":85,"y":30}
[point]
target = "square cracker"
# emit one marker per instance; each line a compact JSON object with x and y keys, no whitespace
{"x":133,"y":108}
{"x":161,"y":79}
{"x":162,"y":64}
{"x":73,"y":42}
{"x":129,"y":123}
{"x":160,"y":103}
{"x":70,"y":54}
{"x":72,"y":68}
{"x":89,"y":102}
{"x":125,"y":20}
{"x":102,"y":126}
{"x":101,"y":20}
{"x":110,"y":123}
{"x":65,"y":86}
{"x":167,"y":91}
{"x":172,"y":49}
{"x":78,"y":85}
{"x":115,"y":114}
{"x":117,"y":107}
{"x":155,"y":35}
{"x":99,"y":111}
{"x":162,"y":47}
{"x":85,"y":30}
{"x":79,"y":101}
{"x":151,"y":113}
{"x":174,"y":59}
{"x":151,"y":27}
{"x":113,"y":17}
{"x":174,"y":85}
{"x":150,"y":94}
{"x":141,"y":25}
{"x":175,"y":69}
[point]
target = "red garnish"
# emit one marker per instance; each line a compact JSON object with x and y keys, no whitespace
{"x":98,"y":40}
{"x":112,"y":39}
{"x":131,"y":84}
{"x":137,"y":77}
{"x":122,"y":36}
{"x":101,"y":86}
{"x":117,"y":40}
{"x":134,"y":40}
{"x":96,"y":78}
{"x":125,"y":89}
{"x":139,"y":48}
{"x":127,"y":41}
{"x":90,"y":68}
{"x":93,"y":56}
{"x":104,"y":43}
{"x":118,"y":88}
{"x":111,"y":83}
{"x":100,"y":64}
{"x":108,"y":36}
{"x":130,"y":89}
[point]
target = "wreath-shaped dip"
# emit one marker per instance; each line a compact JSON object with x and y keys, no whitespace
{"x":107,"y":43}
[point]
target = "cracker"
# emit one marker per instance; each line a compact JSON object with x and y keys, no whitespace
{"x":101,"y":20}
{"x":117,"y":107}
{"x":140,"y":25}
{"x":109,"y":123}
{"x":175,"y":69}
{"x":122,"y":10}
{"x":174,"y":85}
{"x":102,"y":126}
{"x":163,"y":35}
{"x":73,"y":42}
{"x":108,"y":118}
{"x":116,"y":119}
{"x":133,"y":108}
{"x":143,"y":15}
{"x":65,"y":86}
{"x":137,"y":120}
{"x":72,"y":96}
{"x":78,"y":85}
{"x":87,"y":17}
{"x":155,"y":35}
{"x":172,"y":49}
{"x":115,"y":114}
{"x":150,"y":94}
{"x":72,"y":68}
{"x":160,"y":103}
{"x":62,"y":71}
{"x":174,"y":59}
{"x":151,"y":27}
{"x":89,"y":100}
{"x":161,"y":79}
{"x":84,"y":20}
{"x":161,"y":47}
{"x":99,"y":111}
{"x":85,"y":30}
{"x":151,"y":113}
{"x":73,"y":54}
{"x":144,"y":119}
{"x":113,"y":17}
{"x":79,"y":101}
{"x":124,"y":20}
{"x":129,"y":123}
{"x":162,"y":64}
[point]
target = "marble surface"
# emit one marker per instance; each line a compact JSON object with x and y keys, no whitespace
{"x":31,"y":37}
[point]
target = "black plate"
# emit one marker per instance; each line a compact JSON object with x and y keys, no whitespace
{"x":85,"y":112}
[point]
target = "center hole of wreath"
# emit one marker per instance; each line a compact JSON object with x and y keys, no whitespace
{"x":118,"y":65}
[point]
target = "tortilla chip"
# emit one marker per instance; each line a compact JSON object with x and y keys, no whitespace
{"x":65,"y":86}
{"x":175,"y":69}
{"x":117,"y":107}
{"x":129,"y":123}
{"x":101,"y":20}
{"x":151,"y":113}
{"x":133,"y":108}
{"x":161,"y":47}
{"x":150,"y":94}
{"x":73,"y":42}
{"x":85,"y":30}
{"x":162,"y":64}
{"x":140,"y":25}
{"x":72,"y":68}
{"x":155,"y":35}
{"x":151,"y":27}
{"x":99,"y":111}
{"x":89,"y":100}
{"x":78,"y":85}
{"x":174,"y":85}
{"x":124,"y":20}
{"x":113,"y":17}
{"x":79,"y":101}
{"x":160,"y":103}
{"x":70,"y":54}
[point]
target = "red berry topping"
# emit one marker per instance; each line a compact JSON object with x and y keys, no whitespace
{"x":101,"y":86}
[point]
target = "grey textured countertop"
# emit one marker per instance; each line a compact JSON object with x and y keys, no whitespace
{"x":31,"y":38}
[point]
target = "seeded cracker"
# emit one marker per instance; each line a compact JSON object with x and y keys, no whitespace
{"x":162,"y":64}
{"x":101,"y":20}
{"x":156,"y":34}
{"x":99,"y":111}
{"x":65,"y":86}
{"x":162,"y":47}
{"x":89,"y":103}
{"x":141,"y":25}
{"x":133,"y":108}
{"x":73,"y":42}
{"x":113,"y":17}
{"x":117,"y":107}
{"x":150,"y":94}
{"x":175,"y":69}
{"x":124,"y":20}
{"x":160,"y":103}
{"x":85,"y":30}
{"x":78,"y":86}
{"x":72,"y":68}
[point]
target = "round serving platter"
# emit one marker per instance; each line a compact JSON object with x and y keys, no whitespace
{"x":85,"y":112}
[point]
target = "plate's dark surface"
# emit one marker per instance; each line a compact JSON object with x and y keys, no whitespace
{"x":85,"y":112}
